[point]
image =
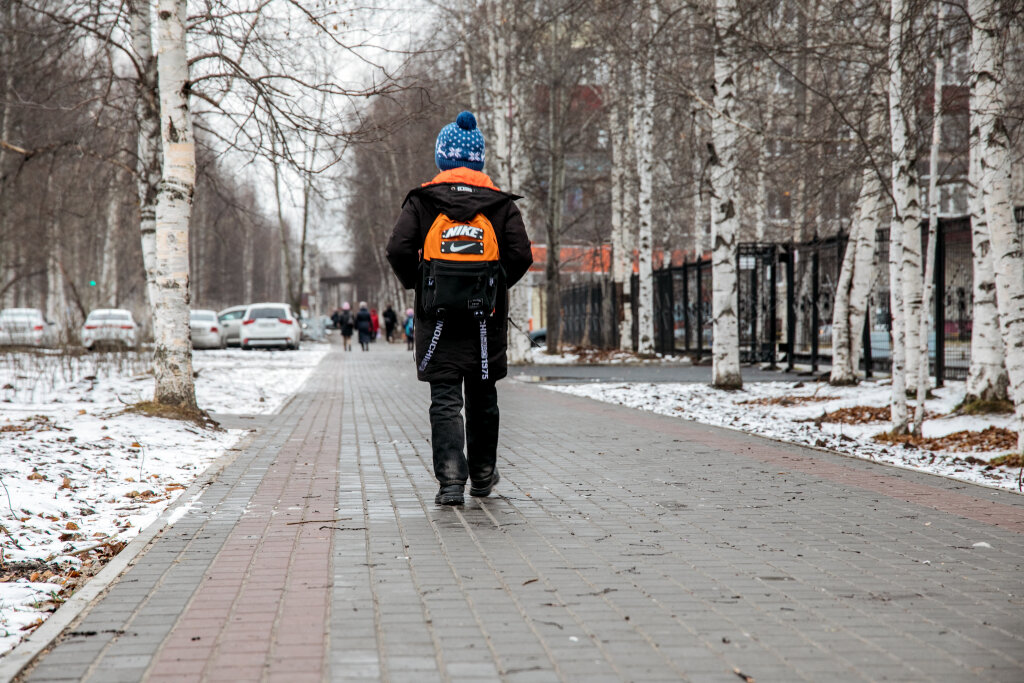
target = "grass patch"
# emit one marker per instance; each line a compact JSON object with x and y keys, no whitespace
{"x":984,"y":407}
{"x":194,"y":415}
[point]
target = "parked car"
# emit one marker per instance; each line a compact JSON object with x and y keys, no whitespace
{"x":109,"y":327}
{"x":26,"y":326}
{"x":206,"y":330}
{"x":270,"y":324}
{"x":231,"y":324}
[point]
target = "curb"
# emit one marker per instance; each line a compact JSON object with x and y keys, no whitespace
{"x":16,"y":661}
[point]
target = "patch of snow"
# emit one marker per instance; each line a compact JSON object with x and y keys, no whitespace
{"x":76,"y":470}
{"x":795,"y":423}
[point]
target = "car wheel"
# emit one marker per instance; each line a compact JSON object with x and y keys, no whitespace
{"x":245,"y":347}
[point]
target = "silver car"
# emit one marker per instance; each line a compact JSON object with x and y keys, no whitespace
{"x":109,"y":326}
{"x":26,"y":326}
{"x":231,"y":324}
{"x":206,"y":330}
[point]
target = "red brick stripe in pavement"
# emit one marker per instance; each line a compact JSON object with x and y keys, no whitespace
{"x":263,"y":607}
{"x":801,"y":459}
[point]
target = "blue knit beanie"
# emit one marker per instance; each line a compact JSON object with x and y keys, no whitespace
{"x":460,"y":144}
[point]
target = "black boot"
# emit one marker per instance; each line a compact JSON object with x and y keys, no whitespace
{"x":450,"y":495}
{"x":482,"y":491}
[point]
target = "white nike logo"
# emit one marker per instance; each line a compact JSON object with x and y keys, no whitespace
{"x":461,"y":246}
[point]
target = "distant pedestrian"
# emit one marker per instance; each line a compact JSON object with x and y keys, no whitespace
{"x":390,"y":321}
{"x":364,"y":325}
{"x":410,"y":329}
{"x":461,"y":242}
{"x":336,"y":319}
{"x":347,"y":325}
{"x":375,"y":321}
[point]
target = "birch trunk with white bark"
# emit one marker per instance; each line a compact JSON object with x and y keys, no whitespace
{"x":903,"y":187}
{"x":864,"y":266}
{"x":852,"y":282}
{"x":110,"y":266}
{"x":643,"y":122}
{"x":986,"y":378}
{"x":148,"y":153}
{"x":172,"y":366}
{"x":909,"y":208}
{"x":725,"y":368}
{"x":933,"y":222}
{"x":622,"y":252}
{"x":989,"y":98}
{"x":503,"y":155}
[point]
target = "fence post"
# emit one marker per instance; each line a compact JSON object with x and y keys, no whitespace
{"x":815,"y":322}
{"x":866,"y":342}
{"x":700,"y":312}
{"x":773,"y":297}
{"x":671,"y":309}
{"x":939,"y":291}
{"x":686,"y":306}
{"x":790,"y":308}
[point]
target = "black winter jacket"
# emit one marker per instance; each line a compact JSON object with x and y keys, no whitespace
{"x":461,"y":194}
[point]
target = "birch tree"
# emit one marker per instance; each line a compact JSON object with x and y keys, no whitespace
{"x":903,"y":189}
{"x":986,"y":377}
{"x":933,"y":220}
{"x":855,"y":280}
{"x":622,"y":242}
{"x":172,"y":367}
{"x":643,"y":125}
{"x":148,"y":152}
{"x":725,"y":367}
{"x":988,"y":106}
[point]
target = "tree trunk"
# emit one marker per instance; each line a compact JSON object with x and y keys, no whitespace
{"x":8,"y":274}
{"x":109,"y":268}
{"x":643,"y":123}
{"x":725,"y":368}
{"x":933,"y":222}
{"x":989,"y":99}
{"x":986,"y":379}
{"x":172,"y":366}
{"x":148,"y":151}
{"x":283,"y":229}
{"x":903,"y":187}
{"x":622,"y":252}
{"x":843,"y":371}
{"x":864,"y":263}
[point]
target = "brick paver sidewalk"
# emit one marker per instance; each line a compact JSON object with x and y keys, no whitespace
{"x":619,"y":546}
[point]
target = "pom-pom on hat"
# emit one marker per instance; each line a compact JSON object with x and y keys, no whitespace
{"x":460,"y":144}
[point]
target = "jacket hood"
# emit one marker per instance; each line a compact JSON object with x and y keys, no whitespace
{"x":462,"y":193}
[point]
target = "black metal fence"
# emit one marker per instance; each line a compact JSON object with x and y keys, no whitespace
{"x":786,"y":298}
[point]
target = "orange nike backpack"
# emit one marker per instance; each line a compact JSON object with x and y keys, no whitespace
{"x":461,"y":277}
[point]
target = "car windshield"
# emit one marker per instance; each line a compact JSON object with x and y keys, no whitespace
{"x":267,"y":312}
{"x":19,"y":315}
{"x":233,"y":315}
{"x":201,"y":316}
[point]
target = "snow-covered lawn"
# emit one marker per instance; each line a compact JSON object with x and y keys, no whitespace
{"x":80,"y":477}
{"x":572,"y":355}
{"x":790,"y":412}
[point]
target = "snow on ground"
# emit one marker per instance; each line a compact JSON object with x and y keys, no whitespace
{"x":584,"y":356}
{"x":749,"y":410}
{"x":77,"y":472}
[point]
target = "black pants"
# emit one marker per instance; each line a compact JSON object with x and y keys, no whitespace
{"x":448,"y":436}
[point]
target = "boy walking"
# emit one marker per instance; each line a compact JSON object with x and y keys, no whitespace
{"x":461,"y":243}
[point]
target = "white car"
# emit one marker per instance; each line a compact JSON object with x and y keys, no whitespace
{"x":26,"y":326}
{"x":231,"y":324}
{"x":109,"y":326}
{"x":206,"y":330}
{"x":270,"y":324}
